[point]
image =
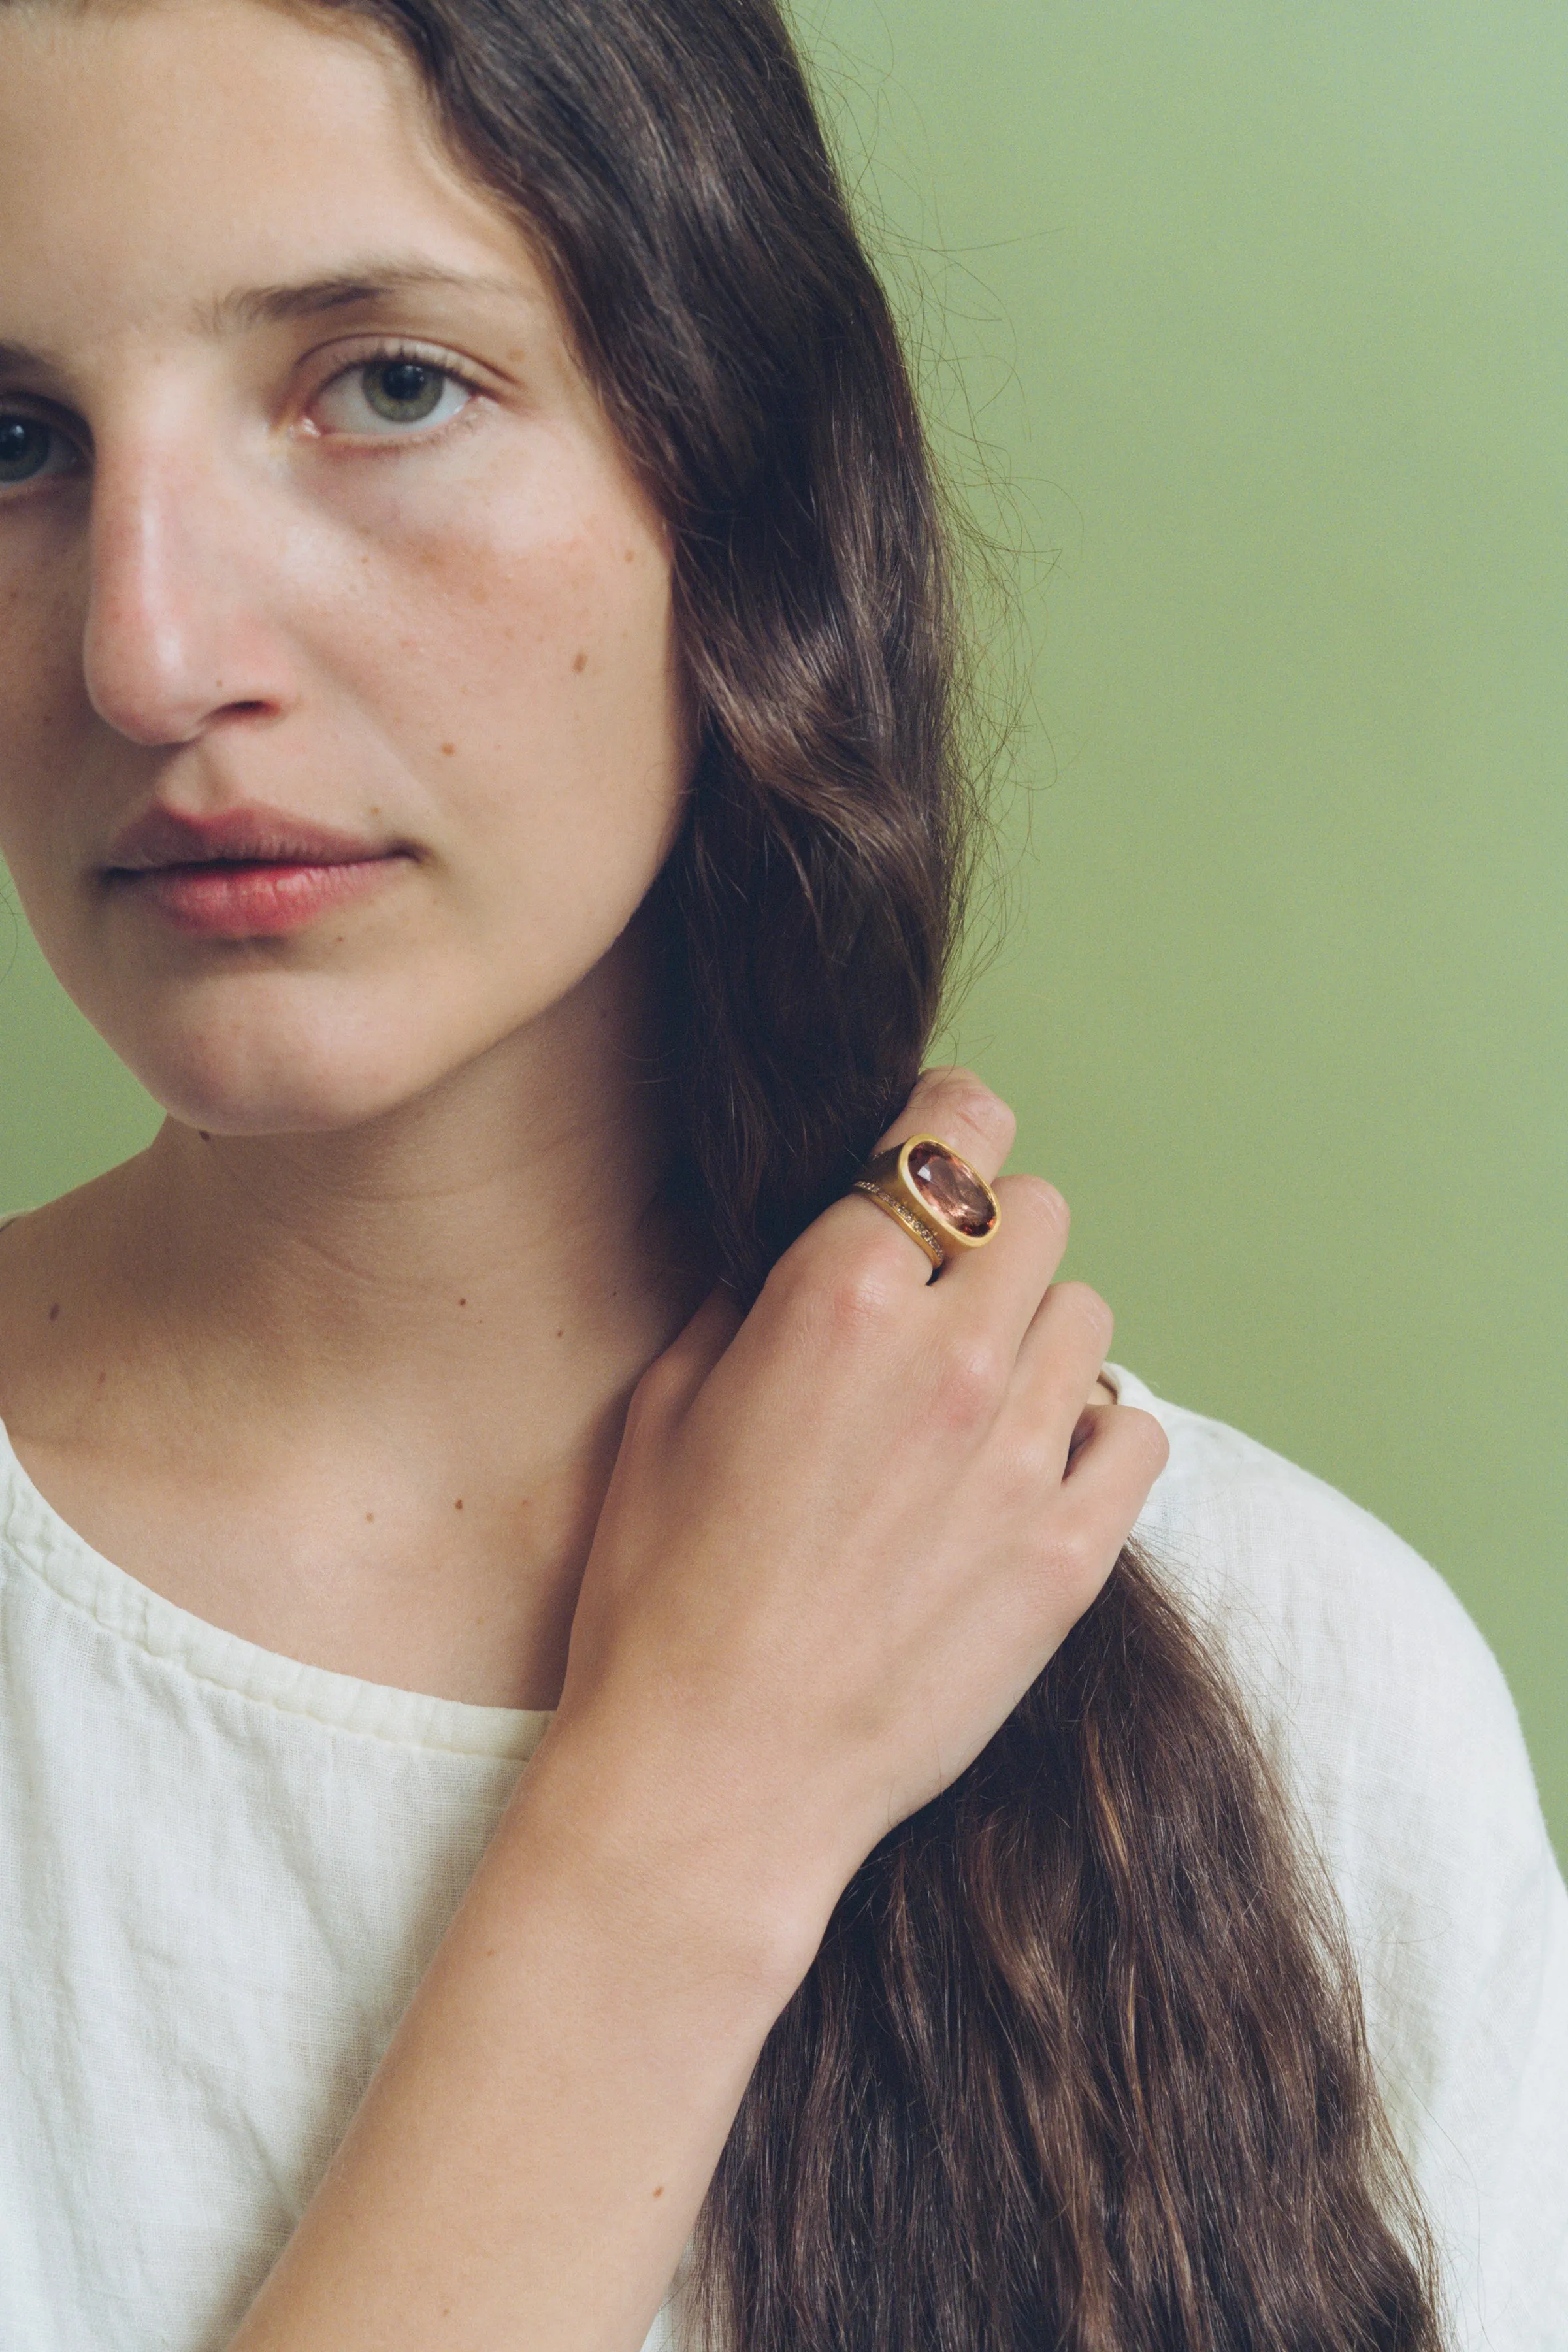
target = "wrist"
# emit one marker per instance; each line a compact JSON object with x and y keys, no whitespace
{"x":674,"y":1861}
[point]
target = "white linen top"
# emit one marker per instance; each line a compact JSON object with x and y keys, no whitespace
{"x":223,"y":1871}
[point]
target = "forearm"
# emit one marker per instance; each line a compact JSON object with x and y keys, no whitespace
{"x":527,"y":2161}
{"x":839,"y":1544}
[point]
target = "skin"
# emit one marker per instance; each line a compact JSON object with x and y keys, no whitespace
{"x":462,"y":647}
{"x":394,"y":1268}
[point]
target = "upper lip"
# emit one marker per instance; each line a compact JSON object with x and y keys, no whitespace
{"x":250,"y":835}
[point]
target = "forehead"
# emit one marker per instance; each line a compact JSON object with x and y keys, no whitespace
{"x":156,"y":158}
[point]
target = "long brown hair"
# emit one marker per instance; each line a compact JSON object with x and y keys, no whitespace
{"x":1081,"y":2061}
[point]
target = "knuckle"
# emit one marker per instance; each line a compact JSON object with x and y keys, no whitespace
{"x":956,"y":1098}
{"x":1073,"y":1542}
{"x":1033,"y":1461}
{"x":859,"y":1297}
{"x":971,"y":1380}
{"x":1085,"y":1555}
{"x":1077,"y":1298}
{"x":1146,"y":1433}
{"x":1035,"y":1198}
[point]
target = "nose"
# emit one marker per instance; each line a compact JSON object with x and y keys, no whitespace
{"x":176,"y":638}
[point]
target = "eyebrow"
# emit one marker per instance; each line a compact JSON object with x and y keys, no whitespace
{"x":376,"y":278}
{"x":21,"y":359}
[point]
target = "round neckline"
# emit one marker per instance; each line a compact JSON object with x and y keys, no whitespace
{"x":42,"y":1544}
{"x":37,"y":1540}
{"x":45,"y":1546}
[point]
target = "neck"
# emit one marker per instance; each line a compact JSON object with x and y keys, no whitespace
{"x":397,"y":1357}
{"x":505,"y":1226}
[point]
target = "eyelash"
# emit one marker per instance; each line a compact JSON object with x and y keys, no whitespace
{"x":436,"y":364}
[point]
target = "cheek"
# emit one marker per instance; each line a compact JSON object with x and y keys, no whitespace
{"x":45,"y":719}
{"x":492,"y":675}
{"x":525,"y":662}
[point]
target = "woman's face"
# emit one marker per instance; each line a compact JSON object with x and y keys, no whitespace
{"x":340,"y":727}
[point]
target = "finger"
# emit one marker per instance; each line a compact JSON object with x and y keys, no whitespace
{"x":665,"y":1393}
{"x":999,"y":1289}
{"x":1101,"y":1502}
{"x":1099,"y":1395}
{"x":1113,"y":1470}
{"x":958,"y":1109}
{"x":1058,"y":1362}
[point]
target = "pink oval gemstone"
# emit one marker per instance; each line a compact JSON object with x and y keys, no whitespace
{"x":949,"y":1188}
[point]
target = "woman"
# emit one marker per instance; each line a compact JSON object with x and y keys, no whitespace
{"x":479,"y":740}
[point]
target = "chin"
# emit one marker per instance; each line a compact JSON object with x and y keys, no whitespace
{"x":319,"y":1100}
{"x":241,"y":1070}
{"x":265,"y":1047}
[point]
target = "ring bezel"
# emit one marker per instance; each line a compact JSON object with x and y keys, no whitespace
{"x":887,"y":1181}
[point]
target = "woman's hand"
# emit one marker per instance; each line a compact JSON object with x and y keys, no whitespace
{"x":842,"y":1539}
{"x":845,"y":1535}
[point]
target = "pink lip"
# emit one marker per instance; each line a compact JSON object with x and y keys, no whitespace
{"x":252,"y":902}
{"x":246,"y":873}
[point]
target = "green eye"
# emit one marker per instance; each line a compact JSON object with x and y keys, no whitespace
{"x":24,"y":447}
{"x":396,"y":396}
{"x":405,"y":392}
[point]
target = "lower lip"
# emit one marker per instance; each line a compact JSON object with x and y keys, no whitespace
{"x":224,"y":901}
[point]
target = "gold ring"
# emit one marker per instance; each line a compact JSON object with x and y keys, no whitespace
{"x":936,"y":1196}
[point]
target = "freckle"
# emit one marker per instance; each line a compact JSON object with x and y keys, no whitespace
{"x":561,"y":1333}
{"x":368,"y":1517}
{"x":458,"y":1504}
{"x":631,"y":555}
{"x":462,"y":1302}
{"x":581,"y":664}
{"x":54,"y":1312}
{"x":658,"y":2193}
{"x":101,"y":1378}
{"x":448,"y":748}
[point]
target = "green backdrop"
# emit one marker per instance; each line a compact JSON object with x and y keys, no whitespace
{"x":1246,"y":321}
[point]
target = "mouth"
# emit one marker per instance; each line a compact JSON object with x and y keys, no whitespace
{"x":246,"y":873}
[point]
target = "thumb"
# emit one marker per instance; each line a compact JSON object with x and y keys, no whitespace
{"x":666,"y":1391}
